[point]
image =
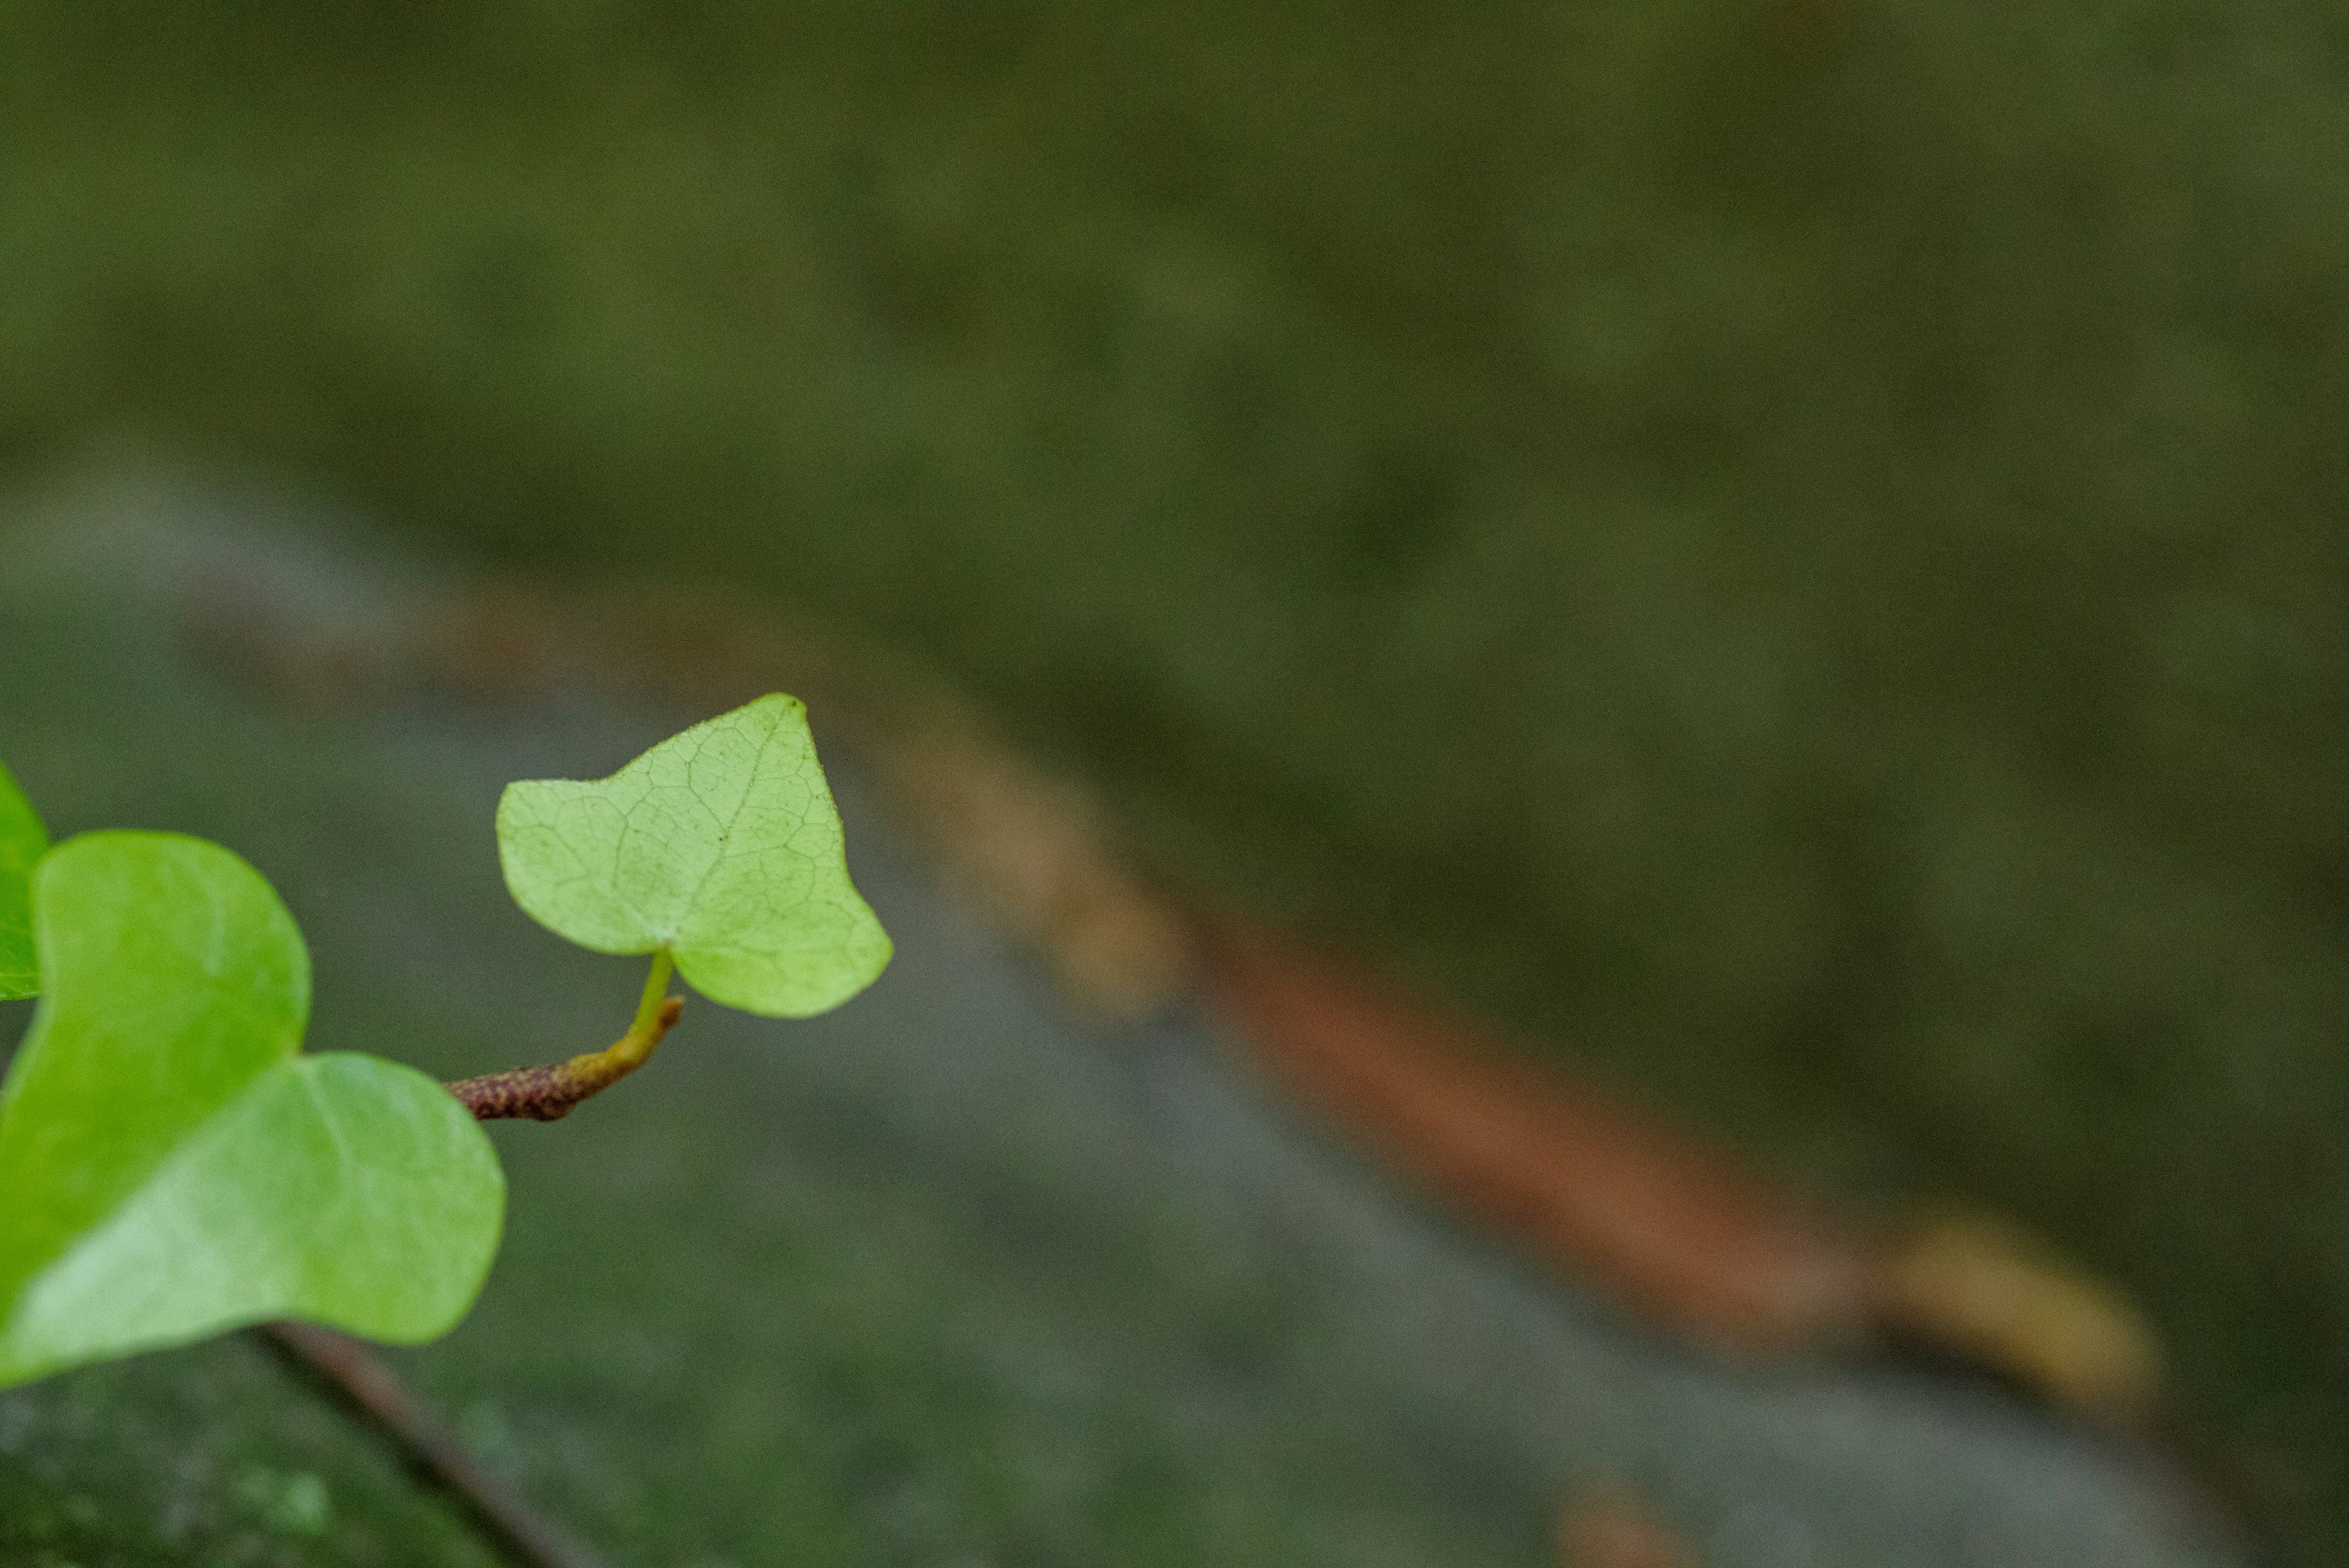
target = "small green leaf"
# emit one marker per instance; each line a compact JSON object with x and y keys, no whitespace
{"x":722,"y":846}
{"x":22,"y":841}
{"x":174,"y":1166}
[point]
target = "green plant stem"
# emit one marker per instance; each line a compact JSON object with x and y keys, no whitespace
{"x":656,"y":993}
{"x":547,"y":1093}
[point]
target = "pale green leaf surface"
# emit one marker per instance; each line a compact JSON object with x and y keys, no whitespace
{"x":22,"y":841}
{"x":722,"y":844}
{"x":173,"y":1167}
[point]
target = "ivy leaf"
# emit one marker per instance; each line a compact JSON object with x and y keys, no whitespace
{"x":173,"y":1166}
{"x":721,"y":845}
{"x":22,"y":841}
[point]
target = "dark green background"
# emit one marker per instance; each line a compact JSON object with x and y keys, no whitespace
{"x":1798,"y":549}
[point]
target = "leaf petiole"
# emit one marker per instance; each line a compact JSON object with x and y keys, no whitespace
{"x":656,"y":993}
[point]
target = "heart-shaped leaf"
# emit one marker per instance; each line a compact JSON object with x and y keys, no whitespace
{"x":721,"y":845}
{"x":22,"y":841}
{"x":172,"y":1165}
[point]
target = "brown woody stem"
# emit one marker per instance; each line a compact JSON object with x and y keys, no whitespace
{"x":547,"y":1091}
{"x":363,"y":1381}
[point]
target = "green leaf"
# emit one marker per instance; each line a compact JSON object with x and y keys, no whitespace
{"x":173,"y":1167}
{"x":721,"y":845}
{"x":22,"y":841}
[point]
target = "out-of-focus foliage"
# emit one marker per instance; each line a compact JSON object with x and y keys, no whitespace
{"x":22,"y":841}
{"x":1844,"y":501}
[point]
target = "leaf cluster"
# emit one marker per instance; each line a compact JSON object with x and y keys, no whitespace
{"x":174,"y":1164}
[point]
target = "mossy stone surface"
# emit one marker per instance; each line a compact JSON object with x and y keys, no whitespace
{"x":943,"y":1277}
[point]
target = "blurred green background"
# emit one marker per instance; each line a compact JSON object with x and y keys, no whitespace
{"x":1793,"y":548}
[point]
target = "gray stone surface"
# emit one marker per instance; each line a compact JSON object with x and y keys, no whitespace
{"x":944,"y":1278}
